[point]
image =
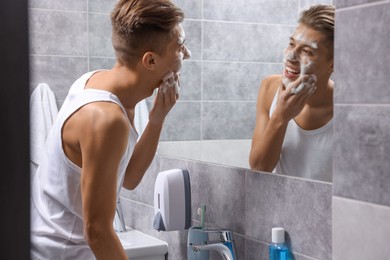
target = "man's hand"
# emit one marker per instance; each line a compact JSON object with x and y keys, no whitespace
{"x":165,"y":98}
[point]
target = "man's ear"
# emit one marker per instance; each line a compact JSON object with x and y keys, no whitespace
{"x":149,"y":60}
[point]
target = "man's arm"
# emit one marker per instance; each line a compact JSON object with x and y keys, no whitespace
{"x":146,"y":146}
{"x":268,"y":135}
{"x":103,"y":140}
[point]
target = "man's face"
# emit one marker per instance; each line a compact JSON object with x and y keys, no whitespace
{"x":176,"y":51}
{"x":306,"y":53}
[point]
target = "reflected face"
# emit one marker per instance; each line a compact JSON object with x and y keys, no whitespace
{"x":176,"y":51}
{"x":306,"y":53}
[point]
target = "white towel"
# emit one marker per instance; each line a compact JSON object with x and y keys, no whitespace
{"x":43,"y":110}
{"x":141,"y":117}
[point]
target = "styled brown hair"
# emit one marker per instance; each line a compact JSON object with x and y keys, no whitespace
{"x":139,"y":26}
{"x":321,"y":18}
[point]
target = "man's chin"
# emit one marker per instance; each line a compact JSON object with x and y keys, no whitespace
{"x":286,"y":81}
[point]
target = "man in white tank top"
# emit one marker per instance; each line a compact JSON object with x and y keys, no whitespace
{"x":294,"y":122}
{"x":92,"y":149}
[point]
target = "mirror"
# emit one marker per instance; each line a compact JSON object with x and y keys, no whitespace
{"x":234,"y":45}
{"x":233,"y":51}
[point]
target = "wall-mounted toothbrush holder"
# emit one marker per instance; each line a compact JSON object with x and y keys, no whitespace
{"x":202,"y":240}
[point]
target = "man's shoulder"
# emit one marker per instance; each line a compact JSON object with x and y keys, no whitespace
{"x":270,"y":84}
{"x":271,"y":80}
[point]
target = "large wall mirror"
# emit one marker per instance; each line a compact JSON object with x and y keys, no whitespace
{"x":234,"y":45}
{"x":234,"y":48}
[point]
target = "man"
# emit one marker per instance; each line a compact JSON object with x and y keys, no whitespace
{"x":91,"y":150}
{"x":293,"y":133}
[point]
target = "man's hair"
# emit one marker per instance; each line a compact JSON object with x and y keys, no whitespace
{"x":321,"y":18}
{"x":139,"y":26}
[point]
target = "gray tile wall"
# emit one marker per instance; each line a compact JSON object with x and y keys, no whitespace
{"x":234,"y":45}
{"x":249,"y":203}
{"x":361,"y":197}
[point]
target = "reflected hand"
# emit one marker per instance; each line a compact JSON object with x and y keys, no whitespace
{"x":292,"y":99}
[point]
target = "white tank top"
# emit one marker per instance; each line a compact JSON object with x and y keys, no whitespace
{"x":56,"y":208}
{"x":306,"y":153}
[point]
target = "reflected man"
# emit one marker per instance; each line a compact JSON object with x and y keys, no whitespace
{"x":294,"y":112}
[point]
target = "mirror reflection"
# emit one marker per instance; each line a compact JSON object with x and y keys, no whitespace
{"x":289,"y":116}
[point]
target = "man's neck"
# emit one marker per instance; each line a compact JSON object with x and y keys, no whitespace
{"x":130,"y":86}
{"x":323,"y":95}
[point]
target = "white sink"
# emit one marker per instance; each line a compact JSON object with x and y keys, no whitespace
{"x":140,"y":246}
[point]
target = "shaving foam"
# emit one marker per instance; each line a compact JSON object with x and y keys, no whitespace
{"x":306,"y":66}
{"x":170,"y":80}
{"x":301,"y":38}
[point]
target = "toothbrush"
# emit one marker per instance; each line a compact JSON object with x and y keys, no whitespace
{"x":201,"y":212}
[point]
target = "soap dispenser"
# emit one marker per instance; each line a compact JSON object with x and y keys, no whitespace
{"x":172,"y":200}
{"x":278,"y":250}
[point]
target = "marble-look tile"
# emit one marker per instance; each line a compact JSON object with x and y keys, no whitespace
{"x":256,"y":250}
{"x":139,"y":216}
{"x":101,"y":63}
{"x":254,"y":11}
{"x":305,"y":4}
{"x":100,"y":36}
{"x":228,"y":120}
{"x":349,"y":3}
{"x":362,"y":63}
{"x":192,"y":9}
{"x":182,"y":122}
{"x":245,"y":42}
{"x":46,"y":37}
{"x":235,"y":81}
{"x":239,"y":242}
{"x":220,"y":188}
{"x":360,"y":230}
{"x":302,"y":207}
{"x":144,"y":192}
{"x":362,"y":153}
{"x":193,"y":31}
{"x":191,"y":80}
{"x":58,"y":72}
{"x":101,"y":6}
{"x":80,"y":5}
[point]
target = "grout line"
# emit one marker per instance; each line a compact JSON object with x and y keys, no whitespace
{"x":214,"y":101}
{"x":56,"y":10}
{"x":57,"y":55}
{"x":248,"y":23}
{"x":367,"y":203}
{"x":361,"y":105}
{"x":235,"y":61}
{"x":201,"y":71}
{"x":137,"y":202}
{"x":347,"y":8}
{"x":88,"y":59}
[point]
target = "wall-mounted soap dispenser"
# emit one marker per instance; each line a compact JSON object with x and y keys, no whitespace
{"x":172,"y":200}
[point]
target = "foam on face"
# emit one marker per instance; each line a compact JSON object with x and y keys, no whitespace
{"x":290,"y":56}
{"x":170,"y":80}
{"x":306,"y":66}
{"x":301,"y":38}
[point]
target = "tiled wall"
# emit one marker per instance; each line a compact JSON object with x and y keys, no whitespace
{"x":249,"y":203}
{"x":361,"y":174}
{"x":234,"y":45}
